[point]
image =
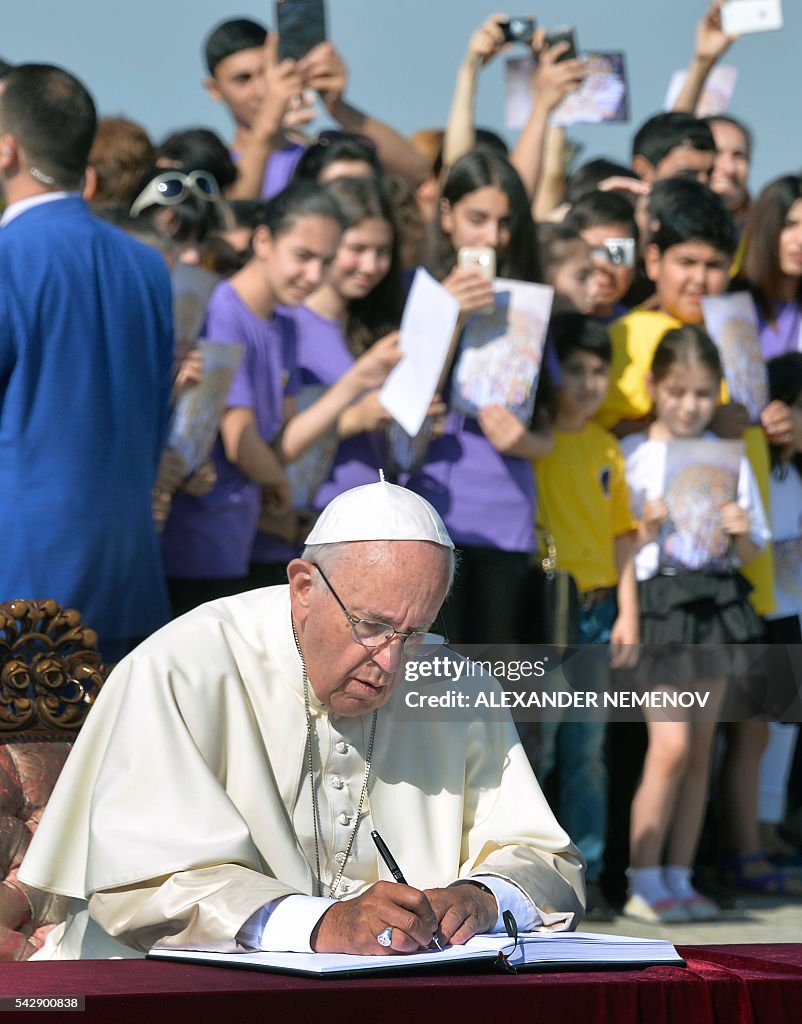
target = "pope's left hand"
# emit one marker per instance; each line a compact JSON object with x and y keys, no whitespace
{"x":462,"y":911}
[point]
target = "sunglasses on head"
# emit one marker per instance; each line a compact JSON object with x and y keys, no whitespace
{"x":174,"y":187}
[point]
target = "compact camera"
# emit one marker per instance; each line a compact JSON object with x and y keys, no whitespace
{"x":518,"y":30}
{"x":620,"y":252}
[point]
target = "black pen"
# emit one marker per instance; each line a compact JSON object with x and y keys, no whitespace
{"x":395,"y":870}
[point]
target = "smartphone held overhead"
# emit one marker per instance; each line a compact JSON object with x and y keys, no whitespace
{"x":301,"y":26}
{"x":563,"y":34}
{"x":739,"y":17}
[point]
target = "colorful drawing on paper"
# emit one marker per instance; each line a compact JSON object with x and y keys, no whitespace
{"x":196,"y":417}
{"x":700,"y":478}
{"x":311,"y":470}
{"x":499,"y":357}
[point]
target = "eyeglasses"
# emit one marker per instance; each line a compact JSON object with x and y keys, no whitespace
{"x":173,"y":187}
{"x":368,"y":633}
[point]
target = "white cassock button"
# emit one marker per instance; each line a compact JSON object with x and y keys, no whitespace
{"x":337,"y":782}
{"x":342,"y":747}
{"x":344,"y":819}
{"x":340,"y":858}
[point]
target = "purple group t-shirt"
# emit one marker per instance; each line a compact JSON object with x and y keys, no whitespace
{"x":486,"y":499}
{"x":323,"y":357}
{"x":211,"y":537}
{"x":783,"y":335}
{"x":279,"y":170}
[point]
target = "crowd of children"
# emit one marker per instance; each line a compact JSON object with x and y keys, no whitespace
{"x":316,"y":240}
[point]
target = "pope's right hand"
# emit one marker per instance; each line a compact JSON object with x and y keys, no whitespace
{"x":352,"y":926}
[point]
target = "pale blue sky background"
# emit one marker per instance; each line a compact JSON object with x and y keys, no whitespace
{"x":142,"y":58}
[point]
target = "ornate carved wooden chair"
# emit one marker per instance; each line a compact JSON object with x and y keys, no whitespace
{"x":50,"y":675}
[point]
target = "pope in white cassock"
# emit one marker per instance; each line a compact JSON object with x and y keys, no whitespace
{"x":223,"y":790}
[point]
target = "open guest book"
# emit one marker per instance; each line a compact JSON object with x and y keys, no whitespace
{"x":535,"y":952}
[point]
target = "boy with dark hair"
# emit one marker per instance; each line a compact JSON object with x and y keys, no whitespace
{"x":672,"y":144}
{"x":688,"y":254}
{"x":583,"y":505}
{"x":606,"y":221}
{"x":245,"y":75}
{"x":231,"y":37}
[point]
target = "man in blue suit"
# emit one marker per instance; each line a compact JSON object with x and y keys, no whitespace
{"x":85,"y":374}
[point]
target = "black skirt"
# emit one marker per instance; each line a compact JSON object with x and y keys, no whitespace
{"x":693,"y":626}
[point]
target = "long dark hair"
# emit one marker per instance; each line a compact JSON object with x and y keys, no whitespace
{"x":763,"y":228}
{"x":475,"y":170}
{"x":371,"y":317}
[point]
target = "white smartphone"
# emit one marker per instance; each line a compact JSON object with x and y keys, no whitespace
{"x":739,"y":17}
{"x":481,"y":258}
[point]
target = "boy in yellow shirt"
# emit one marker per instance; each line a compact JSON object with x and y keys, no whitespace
{"x":689,"y":252}
{"x":583,"y":503}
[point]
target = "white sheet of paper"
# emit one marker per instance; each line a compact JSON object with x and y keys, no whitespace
{"x":427,"y":327}
{"x":739,"y":17}
{"x":534,"y":950}
{"x":717,"y":93}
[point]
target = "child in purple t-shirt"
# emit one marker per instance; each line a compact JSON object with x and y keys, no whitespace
{"x":360,"y":302}
{"x":208,"y":540}
{"x":479,"y":475}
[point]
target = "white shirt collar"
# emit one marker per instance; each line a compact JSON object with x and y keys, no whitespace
{"x":27,"y":204}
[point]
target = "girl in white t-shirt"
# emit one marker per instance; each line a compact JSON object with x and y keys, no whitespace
{"x":693,"y":537}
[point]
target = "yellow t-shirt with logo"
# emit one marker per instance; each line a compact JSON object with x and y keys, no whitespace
{"x":583,"y":502}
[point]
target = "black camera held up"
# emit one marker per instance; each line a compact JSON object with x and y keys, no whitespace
{"x":518,"y":30}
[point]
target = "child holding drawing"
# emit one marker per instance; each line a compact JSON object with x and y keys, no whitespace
{"x":478,"y":474}
{"x":687,"y":596}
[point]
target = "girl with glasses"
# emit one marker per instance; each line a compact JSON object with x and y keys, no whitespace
{"x":181,"y":205}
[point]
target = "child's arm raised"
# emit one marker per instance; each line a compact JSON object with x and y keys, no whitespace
{"x":711,"y":45}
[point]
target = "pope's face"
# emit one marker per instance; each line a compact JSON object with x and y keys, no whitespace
{"x":402,"y":583}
